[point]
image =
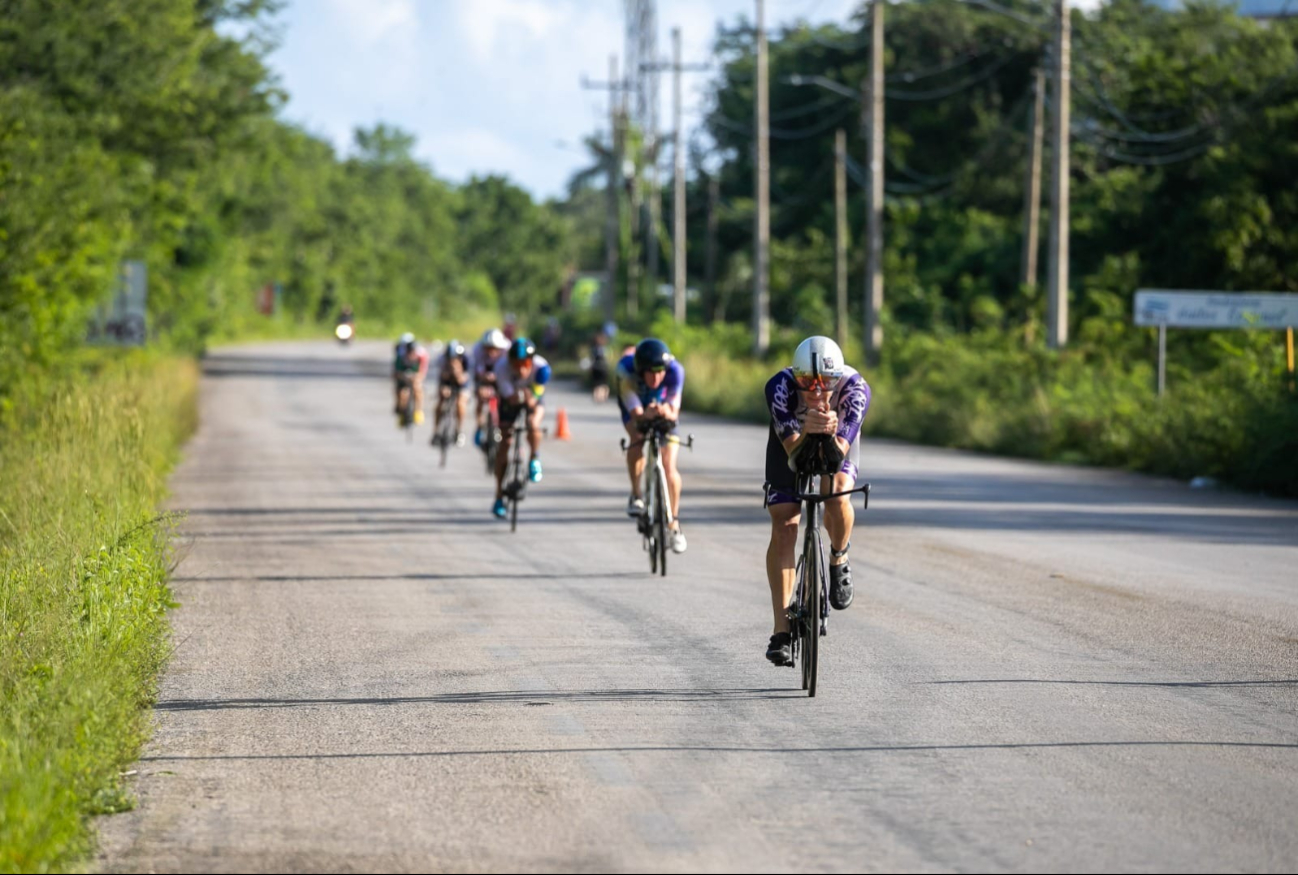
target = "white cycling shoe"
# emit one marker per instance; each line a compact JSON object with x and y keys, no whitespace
{"x":677,"y":539}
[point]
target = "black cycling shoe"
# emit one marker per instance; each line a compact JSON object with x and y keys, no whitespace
{"x":840,"y":585}
{"x":780,"y":650}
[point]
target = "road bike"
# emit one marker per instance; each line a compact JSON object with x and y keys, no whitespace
{"x":655,"y":521}
{"x":444,"y":433}
{"x":516,"y":485}
{"x":407,"y":415}
{"x":809,"y":611}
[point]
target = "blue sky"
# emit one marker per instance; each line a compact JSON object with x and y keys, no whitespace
{"x":487,"y":86}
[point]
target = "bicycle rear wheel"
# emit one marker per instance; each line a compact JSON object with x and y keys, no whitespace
{"x":651,"y":501}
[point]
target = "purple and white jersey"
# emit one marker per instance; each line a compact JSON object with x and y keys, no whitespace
{"x":478,"y":358}
{"x":850,"y":399}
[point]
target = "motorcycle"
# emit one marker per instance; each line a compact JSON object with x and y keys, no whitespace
{"x":344,"y":332}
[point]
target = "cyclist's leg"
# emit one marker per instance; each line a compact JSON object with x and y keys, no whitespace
{"x":839,"y":513}
{"x":461,"y":407}
{"x":634,"y":457}
{"x":786,"y":514}
{"x":534,"y":429}
{"x":781,"y":561}
{"x":400,"y":401}
{"x":502,"y":452}
{"x":443,"y":392}
{"x":418,"y":383}
{"x":670,"y":453}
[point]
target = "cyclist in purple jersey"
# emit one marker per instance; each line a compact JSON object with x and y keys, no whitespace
{"x":649,"y":385}
{"x":817,"y":407}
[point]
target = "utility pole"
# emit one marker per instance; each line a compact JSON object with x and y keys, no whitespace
{"x":1032,"y":199}
{"x":678,"y":179}
{"x":874,"y":204}
{"x":840,"y":236}
{"x":614,"y":157}
{"x":762,"y":229}
{"x":1057,"y":288}
{"x":713,"y":310}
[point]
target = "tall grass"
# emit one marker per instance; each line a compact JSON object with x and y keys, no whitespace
{"x":83,"y":592}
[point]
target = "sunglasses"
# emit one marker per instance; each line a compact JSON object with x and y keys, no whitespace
{"x":824,"y":382}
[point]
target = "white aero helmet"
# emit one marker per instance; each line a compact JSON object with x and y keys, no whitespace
{"x":494,"y":338}
{"x":407,"y":339}
{"x":818,"y":361}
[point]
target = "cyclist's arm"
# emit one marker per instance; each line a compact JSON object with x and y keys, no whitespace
{"x":674,"y":381}
{"x":540,"y":378}
{"x":853,"y":402}
{"x":782,"y":401}
{"x":626,"y":391}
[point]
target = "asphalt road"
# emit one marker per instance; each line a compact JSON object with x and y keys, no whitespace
{"x":1046,"y":667}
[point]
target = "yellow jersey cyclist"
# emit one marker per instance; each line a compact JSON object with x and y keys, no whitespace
{"x":817,"y":407}
{"x":409,"y":365}
{"x":486,"y":353}
{"x":521,"y":376}
{"x":453,"y":370}
{"x":649,"y":385}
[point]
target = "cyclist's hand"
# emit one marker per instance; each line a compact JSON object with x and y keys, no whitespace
{"x":820,"y":420}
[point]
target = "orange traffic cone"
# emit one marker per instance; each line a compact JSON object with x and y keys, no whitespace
{"x":561,"y":426}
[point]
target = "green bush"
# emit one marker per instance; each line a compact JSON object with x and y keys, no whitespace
{"x":1232,"y":418}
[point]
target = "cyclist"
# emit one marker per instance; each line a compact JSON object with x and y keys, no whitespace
{"x":486,"y":353}
{"x":520,"y":384}
{"x":817,"y":406}
{"x":409,"y":365}
{"x":452,"y":381}
{"x":649,"y":385}
{"x":599,"y":368}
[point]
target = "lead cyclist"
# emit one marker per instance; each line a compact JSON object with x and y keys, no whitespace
{"x":817,"y":407}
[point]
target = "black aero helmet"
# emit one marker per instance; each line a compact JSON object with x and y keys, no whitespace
{"x":521,"y":349}
{"x":455,"y":348}
{"x":651,"y":354}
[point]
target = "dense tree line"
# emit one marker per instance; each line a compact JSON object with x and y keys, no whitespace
{"x":1183,"y":167}
{"x":138,"y":129}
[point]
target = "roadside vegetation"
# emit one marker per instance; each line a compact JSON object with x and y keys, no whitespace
{"x":83,"y":591}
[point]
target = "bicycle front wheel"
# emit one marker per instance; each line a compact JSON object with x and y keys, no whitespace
{"x":811,"y":608}
{"x":660,"y":525}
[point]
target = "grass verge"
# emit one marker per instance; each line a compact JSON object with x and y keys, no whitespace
{"x":83,"y":591}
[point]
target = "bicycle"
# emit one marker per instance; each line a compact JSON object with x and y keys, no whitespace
{"x":444,"y":434}
{"x":809,"y":611}
{"x":407,"y":415}
{"x":655,"y":520}
{"x":516,"y":488}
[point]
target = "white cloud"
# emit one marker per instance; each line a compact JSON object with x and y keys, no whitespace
{"x":374,"y":21}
